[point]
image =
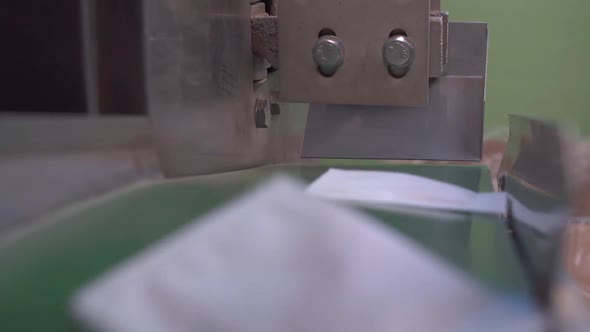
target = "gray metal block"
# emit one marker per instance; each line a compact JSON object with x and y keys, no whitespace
{"x":199,"y":85}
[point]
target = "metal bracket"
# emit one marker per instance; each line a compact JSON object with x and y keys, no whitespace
{"x":364,"y":29}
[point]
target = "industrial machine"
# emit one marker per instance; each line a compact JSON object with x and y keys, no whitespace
{"x":181,"y":88}
{"x":189,"y":103}
{"x":422,"y":76}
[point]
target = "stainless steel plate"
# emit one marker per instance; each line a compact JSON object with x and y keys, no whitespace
{"x":449,"y":128}
{"x":199,"y":84}
{"x":363,"y":27}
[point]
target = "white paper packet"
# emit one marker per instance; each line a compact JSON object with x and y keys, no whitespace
{"x":280,"y":260}
{"x":379,"y":188}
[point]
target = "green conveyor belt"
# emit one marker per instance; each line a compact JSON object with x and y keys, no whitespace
{"x":40,"y":269}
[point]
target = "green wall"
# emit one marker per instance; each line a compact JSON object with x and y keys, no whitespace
{"x":539,"y":58}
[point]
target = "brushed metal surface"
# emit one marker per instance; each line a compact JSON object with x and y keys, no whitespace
{"x":449,"y":128}
{"x":363,"y":28}
{"x":199,"y":84}
{"x":468,"y":49}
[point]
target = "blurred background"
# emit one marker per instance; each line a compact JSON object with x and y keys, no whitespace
{"x":539,"y":59}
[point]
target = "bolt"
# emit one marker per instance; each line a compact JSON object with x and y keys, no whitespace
{"x":260,"y":118}
{"x":328,"y":54}
{"x":398,"y":54}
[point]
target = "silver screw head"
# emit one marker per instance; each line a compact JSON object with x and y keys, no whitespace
{"x":398,"y":54}
{"x":328,"y":54}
